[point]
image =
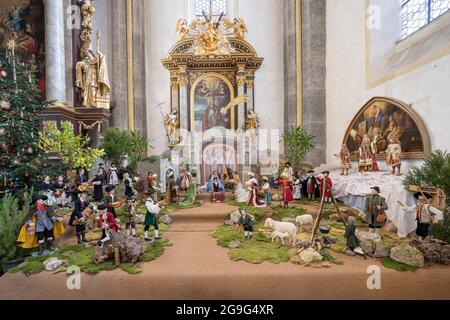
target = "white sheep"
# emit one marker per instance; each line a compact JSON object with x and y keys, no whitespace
{"x":281,"y":235}
{"x":282,"y":227}
{"x":304,"y":220}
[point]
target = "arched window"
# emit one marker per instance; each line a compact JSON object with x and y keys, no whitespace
{"x":216,"y":7}
{"x":415,"y":14}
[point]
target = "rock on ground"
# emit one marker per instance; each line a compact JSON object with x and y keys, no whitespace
{"x":381,"y":251}
{"x":407,"y":254}
{"x":234,"y":245}
{"x":434,"y":250}
{"x":367,"y":241}
{"x":166,"y":219}
{"x":309,"y":256}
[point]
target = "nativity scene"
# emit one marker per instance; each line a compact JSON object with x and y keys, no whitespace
{"x":142,"y":141}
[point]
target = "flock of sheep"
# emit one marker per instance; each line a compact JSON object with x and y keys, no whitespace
{"x":283,"y":230}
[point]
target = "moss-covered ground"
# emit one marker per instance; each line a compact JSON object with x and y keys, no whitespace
{"x":83,"y":256}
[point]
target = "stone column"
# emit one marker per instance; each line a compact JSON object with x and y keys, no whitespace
{"x":183,"y":82}
{"x":54,"y":51}
{"x":290,"y":64}
{"x":314,"y":77}
{"x":119,"y":62}
{"x":139,"y":90}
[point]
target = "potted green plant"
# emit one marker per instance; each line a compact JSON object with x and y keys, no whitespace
{"x":297,"y":143}
{"x":11,"y":217}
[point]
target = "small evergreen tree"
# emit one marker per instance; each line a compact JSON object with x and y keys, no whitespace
{"x":22,"y":164}
{"x":11,"y":217}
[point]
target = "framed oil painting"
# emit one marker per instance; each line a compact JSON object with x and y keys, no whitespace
{"x":383,"y":118}
{"x":211,"y":92}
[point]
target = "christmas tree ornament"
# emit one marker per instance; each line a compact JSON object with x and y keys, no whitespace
{"x":30,"y":150}
{"x":5,"y":105}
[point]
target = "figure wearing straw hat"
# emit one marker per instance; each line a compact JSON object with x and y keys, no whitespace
{"x":425,"y":213}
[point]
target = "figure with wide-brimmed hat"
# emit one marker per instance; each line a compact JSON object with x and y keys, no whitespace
{"x":77,"y":218}
{"x":426,"y":214}
{"x":325,"y":179}
{"x":310,"y":185}
{"x":246,"y":221}
{"x":130,"y":217}
{"x":288,"y":171}
{"x":41,"y":223}
{"x":111,"y":201}
{"x":374,"y":210}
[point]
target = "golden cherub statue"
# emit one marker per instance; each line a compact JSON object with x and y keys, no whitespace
{"x":182,"y":28}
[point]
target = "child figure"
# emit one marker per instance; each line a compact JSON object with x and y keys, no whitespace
{"x":130,"y":220}
{"x":266,"y":190}
{"x":246,"y":220}
{"x":352,"y":241}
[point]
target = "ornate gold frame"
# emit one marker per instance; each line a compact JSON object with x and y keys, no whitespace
{"x":410,"y":112}
{"x":192,"y":96}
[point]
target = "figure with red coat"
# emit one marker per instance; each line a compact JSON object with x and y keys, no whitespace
{"x":286,"y":185}
{"x":329,"y":184}
{"x":252,"y":185}
{"x":106,"y":222}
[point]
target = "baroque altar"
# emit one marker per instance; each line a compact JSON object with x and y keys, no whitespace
{"x":212,"y":74}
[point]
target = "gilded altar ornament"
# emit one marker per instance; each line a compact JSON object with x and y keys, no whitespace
{"x":211,"y":34}
{"x":182,"y":28}
{"x":91,"y":71}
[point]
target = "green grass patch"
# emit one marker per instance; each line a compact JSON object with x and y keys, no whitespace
{"x":253,"y":251}
{"x":130,"y":268}
{"x":328,"y":257}
{"x":83,"y":257}
{"x":233,"y":202}
{"x":281,"y":213}
{"x":257,"y":250}
{"x":397,"y":266}
{"x":154,"y":251}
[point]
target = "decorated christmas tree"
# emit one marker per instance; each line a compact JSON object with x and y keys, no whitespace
{"x":22,"y":163}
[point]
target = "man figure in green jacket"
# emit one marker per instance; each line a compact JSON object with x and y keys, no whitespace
{"x":375,"y":206}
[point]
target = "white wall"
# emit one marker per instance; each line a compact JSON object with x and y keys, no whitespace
{"x":263,"y":18}
{"x":264,"y":22}
{"x":102,"y":22}
{"x":425,"y":87}
{"x":160,"y":36}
